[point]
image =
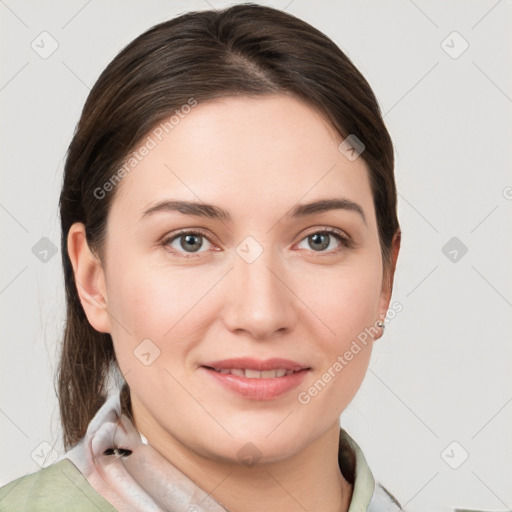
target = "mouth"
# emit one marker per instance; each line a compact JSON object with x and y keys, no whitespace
{"x":254,"y":374}
{"x":255,"y":379}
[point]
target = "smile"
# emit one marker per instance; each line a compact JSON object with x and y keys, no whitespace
{"x":259,"y":385}
{"x":255,"y":374}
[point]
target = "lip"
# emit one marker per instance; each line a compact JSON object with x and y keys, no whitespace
{"x":257,"y":389}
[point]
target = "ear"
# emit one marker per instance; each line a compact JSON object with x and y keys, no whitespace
{"x":388,"y":278}
{"x":89,"y":278}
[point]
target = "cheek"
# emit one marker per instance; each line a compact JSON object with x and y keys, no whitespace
{"x":152,"y":304}
{"x":350,"y":311}
{"x":137,"y":307}
{"x":143,"y":299}
{"x":347,"y":303}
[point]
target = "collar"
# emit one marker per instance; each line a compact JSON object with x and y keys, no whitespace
{"x":119,"y":464}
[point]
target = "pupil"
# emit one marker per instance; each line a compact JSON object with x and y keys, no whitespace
{"x":190,"y":240}
{"x":317,"y":238}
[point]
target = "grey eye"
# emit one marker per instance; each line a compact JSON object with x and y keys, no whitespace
{"x":189,"y":242}
{"x":319,"y":241}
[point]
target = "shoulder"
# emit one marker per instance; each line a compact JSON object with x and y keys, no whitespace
{"x":58,"y":487}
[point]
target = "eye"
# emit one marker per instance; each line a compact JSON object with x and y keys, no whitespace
{"x":191,"y":241}
{"x":320,"y":240}
{"x":185,"y":241}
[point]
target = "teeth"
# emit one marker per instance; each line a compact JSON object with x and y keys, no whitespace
{"x":255,"y":374}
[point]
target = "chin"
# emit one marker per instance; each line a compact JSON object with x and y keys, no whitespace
{"x":258,"y":445}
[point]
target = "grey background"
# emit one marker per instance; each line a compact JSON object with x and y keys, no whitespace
{"x":441,"y":373}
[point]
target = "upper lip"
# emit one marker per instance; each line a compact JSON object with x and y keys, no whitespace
{"x":257,"y":364}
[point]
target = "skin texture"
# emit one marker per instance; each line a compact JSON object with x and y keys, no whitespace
{"x":257,"y":158}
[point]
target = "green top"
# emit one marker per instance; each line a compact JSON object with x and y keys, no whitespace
{"x":59,"y":487}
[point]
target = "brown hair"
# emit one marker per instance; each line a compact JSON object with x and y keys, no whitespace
{"x":246,"y":49}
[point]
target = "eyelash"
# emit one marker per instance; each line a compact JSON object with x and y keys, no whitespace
{"x":345,"y":242}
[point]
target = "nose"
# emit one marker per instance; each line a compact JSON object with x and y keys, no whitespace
{"x":258,"y":299}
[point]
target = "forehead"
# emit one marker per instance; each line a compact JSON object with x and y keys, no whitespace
{"x":246,"y":153}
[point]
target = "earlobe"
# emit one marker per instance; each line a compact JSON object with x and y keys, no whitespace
{"x":89,"y":278}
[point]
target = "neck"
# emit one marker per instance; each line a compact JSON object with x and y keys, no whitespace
{"x":308,"y":480}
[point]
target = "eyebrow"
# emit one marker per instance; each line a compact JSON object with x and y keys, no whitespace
{"x":211,"y":211}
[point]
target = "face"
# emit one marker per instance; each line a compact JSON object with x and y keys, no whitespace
{"x":185,"y":290}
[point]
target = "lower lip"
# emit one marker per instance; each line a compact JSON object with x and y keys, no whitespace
{"x":258,"y":389}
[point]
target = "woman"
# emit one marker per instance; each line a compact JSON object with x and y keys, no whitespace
{"x":229,"y":242}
